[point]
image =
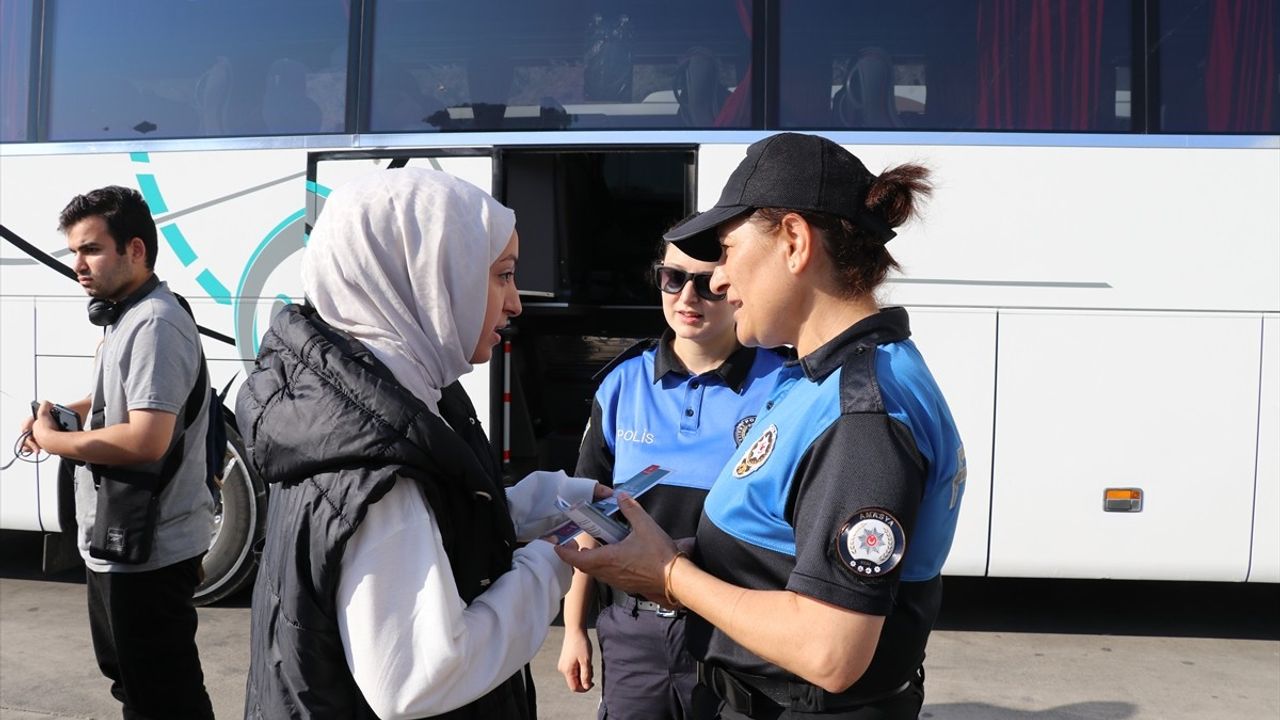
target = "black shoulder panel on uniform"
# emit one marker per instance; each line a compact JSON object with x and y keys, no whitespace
{"x":634,"y":351}
{"x":859,"y":390}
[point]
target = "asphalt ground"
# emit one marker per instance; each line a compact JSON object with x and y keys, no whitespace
{"x":1002,"y":650}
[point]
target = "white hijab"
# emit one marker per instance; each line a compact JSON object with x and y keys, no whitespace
{"x":400,"y":260}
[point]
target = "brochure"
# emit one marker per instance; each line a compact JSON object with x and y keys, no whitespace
{"x":595,"y":518}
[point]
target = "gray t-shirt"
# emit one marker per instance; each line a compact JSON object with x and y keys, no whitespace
{"x":150,"y":359}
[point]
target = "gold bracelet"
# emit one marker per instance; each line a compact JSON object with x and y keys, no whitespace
{"x":672,"y":603}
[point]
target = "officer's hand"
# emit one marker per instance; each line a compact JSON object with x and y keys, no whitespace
{"x":638,"y":563}
{"x":575,"y":660}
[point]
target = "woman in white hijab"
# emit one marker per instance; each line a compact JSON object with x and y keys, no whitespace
{"x":389,"y":584}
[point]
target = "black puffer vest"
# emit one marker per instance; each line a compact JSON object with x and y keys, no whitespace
{"x":331,"y":430}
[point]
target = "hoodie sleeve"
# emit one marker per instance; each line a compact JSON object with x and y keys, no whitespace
{"x":414,"y":648}
{"x":533,"y":501}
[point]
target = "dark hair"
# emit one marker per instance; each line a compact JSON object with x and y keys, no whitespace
{"x":660,"y":250}
{"x":861,"y":261}
{"x":658,"y":256}
{"x":125,"y":212}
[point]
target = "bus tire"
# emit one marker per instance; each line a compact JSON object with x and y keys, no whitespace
{"x":240,"y":515}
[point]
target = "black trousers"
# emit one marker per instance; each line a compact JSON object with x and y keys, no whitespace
{"x":647,"y":671}
{"x":144,"y":636}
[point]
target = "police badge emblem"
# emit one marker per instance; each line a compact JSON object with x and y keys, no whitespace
{"x":871,"y":543}
{"x":742,"y":428}
{"x":757,"y":454}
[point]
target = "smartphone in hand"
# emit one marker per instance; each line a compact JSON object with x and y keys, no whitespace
{"x":64,"y":417}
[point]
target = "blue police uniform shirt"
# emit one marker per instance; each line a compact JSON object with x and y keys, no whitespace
{"x":847,"y":490}
{"x":649,"y":410}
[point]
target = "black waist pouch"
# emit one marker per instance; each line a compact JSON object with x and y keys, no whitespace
{"x":125,"y":523}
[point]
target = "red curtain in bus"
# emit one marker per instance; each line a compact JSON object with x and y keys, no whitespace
{"x":1039,"y":64}
{"x":1241,"y":66}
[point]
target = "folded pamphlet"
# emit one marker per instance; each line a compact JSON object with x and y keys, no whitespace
{"x":596,"y":519}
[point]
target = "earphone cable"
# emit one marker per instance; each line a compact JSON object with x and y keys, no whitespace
{"x":20,"y":454}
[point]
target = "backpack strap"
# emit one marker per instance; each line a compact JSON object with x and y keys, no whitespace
{"x":191,"y":408}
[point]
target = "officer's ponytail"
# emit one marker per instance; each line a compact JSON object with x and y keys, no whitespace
{"x":861,"y":259}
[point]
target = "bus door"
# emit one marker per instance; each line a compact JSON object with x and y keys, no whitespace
{"x":591,"y":220}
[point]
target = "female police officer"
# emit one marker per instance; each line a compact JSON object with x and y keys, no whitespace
{"x":684,"y":401}
{"x":815,"y":575}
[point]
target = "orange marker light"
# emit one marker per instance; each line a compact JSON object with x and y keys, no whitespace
{"x":1122,"y":500}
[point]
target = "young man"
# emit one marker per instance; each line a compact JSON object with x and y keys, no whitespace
{"x":140,"y":612}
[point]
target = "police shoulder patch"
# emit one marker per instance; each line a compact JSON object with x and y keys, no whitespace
{"x":871,"y":543}
{"x":742,"y":428}
{"x":757,"y":454}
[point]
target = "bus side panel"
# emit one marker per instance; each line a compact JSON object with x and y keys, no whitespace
{"x":19,"y":496}
{"x":57,"y":375}
{"x":63,"y":329}
{"x":1091,"y":400}
{"x":230,"y":238}
{"x":960,"y":349}
{"x":1097,"y":228}
{"x":36,"y":189}
{"x":1265,"y":563}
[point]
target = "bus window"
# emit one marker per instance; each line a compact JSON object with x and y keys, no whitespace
{"x":1218,"y":66}
{"x":15,"y":58}
{"x":138,"y":69}
{"x":965,"y":65}
{"x":517,"y":65}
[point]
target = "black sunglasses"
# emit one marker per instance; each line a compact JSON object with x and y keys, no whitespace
{"x":672,"y":280}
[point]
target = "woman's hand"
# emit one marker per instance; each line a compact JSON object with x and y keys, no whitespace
{"x":637,"y":564}
{"x":575,"y":660}
{"x":533,"y":505}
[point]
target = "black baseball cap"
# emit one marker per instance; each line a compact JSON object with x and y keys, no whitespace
{"x":792,"y":171}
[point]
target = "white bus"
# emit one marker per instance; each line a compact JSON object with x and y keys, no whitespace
{"x":1096,"y":283}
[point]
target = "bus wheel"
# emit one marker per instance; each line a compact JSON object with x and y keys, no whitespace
{"x":239,"y":518}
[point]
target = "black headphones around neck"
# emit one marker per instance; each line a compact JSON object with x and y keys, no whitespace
{"x":103,"y":312}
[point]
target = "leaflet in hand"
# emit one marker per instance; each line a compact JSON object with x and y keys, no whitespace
{"x":594,"y":518}
{"x":593,"y":522}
